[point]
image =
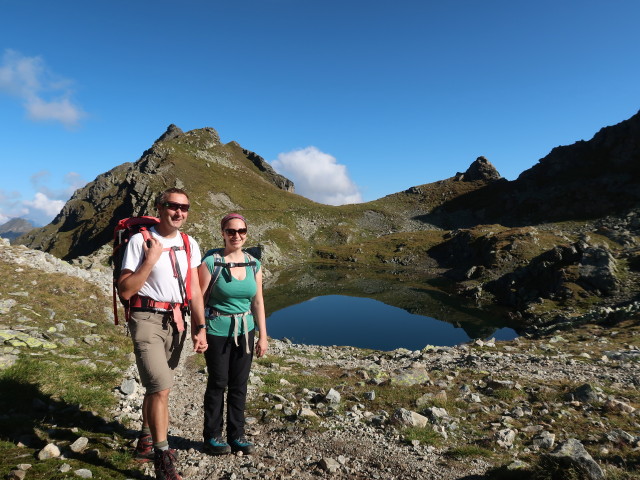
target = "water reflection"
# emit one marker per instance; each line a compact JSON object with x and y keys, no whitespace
{"x":382,"y":310}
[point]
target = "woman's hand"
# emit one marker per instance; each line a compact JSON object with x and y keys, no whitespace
{"x":262,"y":346}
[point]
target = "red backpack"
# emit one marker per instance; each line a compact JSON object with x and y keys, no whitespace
{"x":122,"y":233}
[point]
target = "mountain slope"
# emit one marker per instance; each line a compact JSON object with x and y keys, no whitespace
{"x":218,"y":177}
{"x":586,"y":180}
{"x":581,"y":181}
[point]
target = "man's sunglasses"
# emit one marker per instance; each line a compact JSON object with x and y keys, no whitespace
{"x":177,"y":206}
{"x":232,"y":231}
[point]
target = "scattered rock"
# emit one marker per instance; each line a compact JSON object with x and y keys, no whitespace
{"x":329,"y":465}
{"x":79,"y":445}
{"x":83,"y":473}
{"x":333,"y":396}
{"x":408,"y":418}
{"x":573,"y":454}
{"x":49,"y":451}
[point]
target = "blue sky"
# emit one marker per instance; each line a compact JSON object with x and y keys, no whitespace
{"x":351,"y":99}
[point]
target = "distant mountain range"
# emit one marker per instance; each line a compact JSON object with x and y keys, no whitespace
{"x":15,"y":227}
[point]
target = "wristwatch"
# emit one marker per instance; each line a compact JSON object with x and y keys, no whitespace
{"x":200,"y":327}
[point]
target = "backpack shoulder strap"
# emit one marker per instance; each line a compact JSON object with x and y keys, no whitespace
{"x":251,"y":260}
{"x":187,"y":249}
{"x":218,"y":265}
{"x":117,"y":237}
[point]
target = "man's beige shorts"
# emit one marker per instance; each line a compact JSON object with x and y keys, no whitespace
{"x":157,"y":352}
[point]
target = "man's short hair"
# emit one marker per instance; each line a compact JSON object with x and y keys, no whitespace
{"x":162,"y":197}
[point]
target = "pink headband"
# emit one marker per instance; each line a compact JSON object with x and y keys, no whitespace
{"x":231,"y":216}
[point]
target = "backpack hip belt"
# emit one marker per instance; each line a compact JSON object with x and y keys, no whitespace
{"x":139,"y":302}
{"x":211,"y":312}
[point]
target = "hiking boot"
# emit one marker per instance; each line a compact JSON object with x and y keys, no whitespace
{"x":242,"y":445}
{"x":164,"y":462}
{"x":216,"y":446}
{"x":144,"y":448}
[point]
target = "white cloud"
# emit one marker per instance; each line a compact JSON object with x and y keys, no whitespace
{"x":45,"y":96}
{"x":46,"y":202}
{"x":61,"y":110}
{"x":318,"y":176}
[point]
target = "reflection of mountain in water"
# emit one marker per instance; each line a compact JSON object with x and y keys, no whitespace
{"x":406,"y":290}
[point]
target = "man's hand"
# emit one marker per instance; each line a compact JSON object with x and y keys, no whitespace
{"x":152,"y":249}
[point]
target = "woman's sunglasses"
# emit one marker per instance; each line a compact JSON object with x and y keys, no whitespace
{"x":177,"y":206}
{"x":232,"y":231}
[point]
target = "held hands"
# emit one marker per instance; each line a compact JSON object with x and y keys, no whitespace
{"x":262,"y":346}
{"x":200,"y":341}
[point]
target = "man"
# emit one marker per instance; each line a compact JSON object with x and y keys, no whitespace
{"x":154,"y":279}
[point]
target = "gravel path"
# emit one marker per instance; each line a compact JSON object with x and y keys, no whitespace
{"x":291,"y":451}
{"x":350,"y":443}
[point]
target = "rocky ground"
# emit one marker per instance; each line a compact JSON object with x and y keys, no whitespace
{"x":566,"y":397}
{"x":346,"y":426}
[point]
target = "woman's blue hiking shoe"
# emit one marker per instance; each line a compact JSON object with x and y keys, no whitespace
{"x":216,"y":446}
{"x":242,"y":445}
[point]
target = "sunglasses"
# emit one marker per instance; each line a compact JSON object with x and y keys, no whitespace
{"x":177,"y":206}
{"x":232,"y":231}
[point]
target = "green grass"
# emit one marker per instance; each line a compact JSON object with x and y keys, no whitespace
{"x":425,"y":435}
{"x":506,"y":394}
{"x":47,"y":396}
{"x":469,"y":451}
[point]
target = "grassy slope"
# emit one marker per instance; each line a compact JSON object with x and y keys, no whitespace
{"x":50,"y":395}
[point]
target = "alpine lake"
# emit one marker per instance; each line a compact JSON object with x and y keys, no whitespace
{"x":379,"y":310}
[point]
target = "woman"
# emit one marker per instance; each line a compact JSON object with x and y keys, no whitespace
{"x":233,"y":310}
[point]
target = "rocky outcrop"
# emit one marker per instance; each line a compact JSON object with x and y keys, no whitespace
{"x":561,"y":273}
{"x":172,"y":132}
{"x":480,"y":169}
{"x":277,"y":179}
{"x":87,"y":220}
{"x":530,"y":267}
{"x":588,"y":179}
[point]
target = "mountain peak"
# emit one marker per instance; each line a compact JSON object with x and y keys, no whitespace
{"x":480,"y":169}
{"x":173,"y":131}
{"x":15,"y":227}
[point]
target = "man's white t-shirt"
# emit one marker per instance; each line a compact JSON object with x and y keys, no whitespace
{"x":161,"y":285}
